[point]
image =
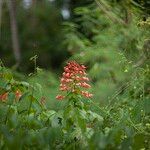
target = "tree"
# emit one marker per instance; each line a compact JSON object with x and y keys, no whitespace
{"x":14,"y":31}
{"x":0,"y":14}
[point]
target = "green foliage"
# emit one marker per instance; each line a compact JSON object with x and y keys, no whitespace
{"x":111,"y":48}
{"x":115,"y":47}
{"x":25,"y":122}
{"x":80,"y":124}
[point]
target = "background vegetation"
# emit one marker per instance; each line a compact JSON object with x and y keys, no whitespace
{"x":110,"y":37}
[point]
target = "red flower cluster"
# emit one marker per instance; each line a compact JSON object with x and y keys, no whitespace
{"x":4,"y":97}
{"x":74,"y":79}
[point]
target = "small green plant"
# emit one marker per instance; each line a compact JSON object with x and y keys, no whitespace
{"x":25,"y":122}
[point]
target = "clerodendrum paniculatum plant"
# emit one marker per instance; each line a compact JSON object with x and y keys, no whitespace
{"x":73,"y":80}
{"x":77,"y":120}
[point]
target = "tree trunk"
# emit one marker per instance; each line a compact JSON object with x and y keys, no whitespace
{"x":33,"y":19}
{"x":14,"y":31}
{"x":0,"y":15}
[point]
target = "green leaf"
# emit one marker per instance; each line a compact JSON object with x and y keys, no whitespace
{"x":95,"y":117}
{"x":11,"y":98}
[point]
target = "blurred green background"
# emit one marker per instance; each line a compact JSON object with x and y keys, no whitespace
{"x":111,"y":37}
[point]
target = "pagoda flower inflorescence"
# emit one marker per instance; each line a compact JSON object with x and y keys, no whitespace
{"x":74,"y":80}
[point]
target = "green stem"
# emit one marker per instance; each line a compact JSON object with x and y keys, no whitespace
{"x":31,"y":101}
{"x":7,"y":114}
{"x":106,"y":113}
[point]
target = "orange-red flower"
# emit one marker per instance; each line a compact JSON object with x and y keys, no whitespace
{"x":18,"y":94}
{"x":86,"y":94}
{"x":3,"y":97}
{"x":74,"y":78}
{"x":59,"y":97}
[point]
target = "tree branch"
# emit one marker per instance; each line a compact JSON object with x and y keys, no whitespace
{"x":112,"y":17}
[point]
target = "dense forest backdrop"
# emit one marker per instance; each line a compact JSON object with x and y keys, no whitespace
{"x":48,"y":28}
